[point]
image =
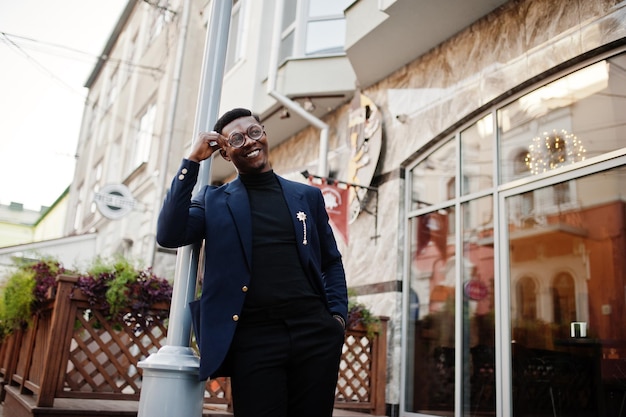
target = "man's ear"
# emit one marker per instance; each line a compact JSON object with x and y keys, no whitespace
{"x":224,"y":155}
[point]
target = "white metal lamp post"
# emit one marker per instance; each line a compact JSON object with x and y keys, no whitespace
{"x":170,"y":383}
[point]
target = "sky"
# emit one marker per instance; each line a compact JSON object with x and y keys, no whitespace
{"x":48,"y":49}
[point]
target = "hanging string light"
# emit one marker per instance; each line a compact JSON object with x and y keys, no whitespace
{"x":552,"y":150}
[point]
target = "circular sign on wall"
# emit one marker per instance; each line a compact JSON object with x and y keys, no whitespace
{"x":114,"y":201}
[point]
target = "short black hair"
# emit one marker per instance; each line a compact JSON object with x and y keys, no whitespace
{"x":231,"y":115}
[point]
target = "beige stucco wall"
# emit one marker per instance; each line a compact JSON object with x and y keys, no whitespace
{"x":51,"y":225}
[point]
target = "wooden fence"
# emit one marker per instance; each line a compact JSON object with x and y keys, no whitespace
{"x":72,"y":351}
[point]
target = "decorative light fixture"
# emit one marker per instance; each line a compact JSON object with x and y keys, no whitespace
{"x":308,"y":105}
{"x":552,"y":150}
{"x":284,"y":113}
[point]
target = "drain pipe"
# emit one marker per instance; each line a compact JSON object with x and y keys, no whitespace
{"x":286,"y":101}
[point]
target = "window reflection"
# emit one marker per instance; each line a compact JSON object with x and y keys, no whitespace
{"x":434,"y":178}
{"x":325,"y":37}
{"x":565,"y":122}
{"x":566,"y":268}
{"x":431,"y":366}
{"x":477,"y":156}
{"x":563,"y":301}
{"x":326,"y":27}
{"x":479,"y":387}
{"x":526,"y":294}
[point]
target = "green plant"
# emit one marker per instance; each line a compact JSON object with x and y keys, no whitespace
{"x":17,"y":299}
{"x":360,"y":316}
{"x":118,"y":275}
{"x":26,"y":291}
{"x":125,"y":292}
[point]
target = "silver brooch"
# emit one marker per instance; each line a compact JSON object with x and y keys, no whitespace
{"x":302,"y":217}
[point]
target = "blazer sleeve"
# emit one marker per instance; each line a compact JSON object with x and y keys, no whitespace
{"x":181,"y":220}
{"x":333,"y":273}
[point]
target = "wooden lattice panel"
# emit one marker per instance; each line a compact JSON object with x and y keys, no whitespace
{"x":103,"y":356}
{"x":217,"y":391}
{"x":355,"y":372}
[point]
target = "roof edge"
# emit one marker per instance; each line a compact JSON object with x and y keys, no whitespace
{"x":104,"y":56}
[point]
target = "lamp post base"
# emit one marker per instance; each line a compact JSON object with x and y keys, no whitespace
{"x":170,"y":385}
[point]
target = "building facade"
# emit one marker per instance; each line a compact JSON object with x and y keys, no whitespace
{"x":137,"y":121}
{"x":17,"y":223}
{"x":482,"y":145}
{"x":27,"y":235}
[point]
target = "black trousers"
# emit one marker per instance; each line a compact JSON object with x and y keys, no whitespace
{"x":286,"y":367}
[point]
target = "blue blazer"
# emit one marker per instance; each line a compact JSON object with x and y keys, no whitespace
{"x":221,"y":216}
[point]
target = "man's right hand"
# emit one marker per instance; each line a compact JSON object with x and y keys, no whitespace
{"x":205,"y":145}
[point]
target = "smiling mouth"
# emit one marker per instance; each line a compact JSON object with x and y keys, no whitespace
{"x":253,"y":153}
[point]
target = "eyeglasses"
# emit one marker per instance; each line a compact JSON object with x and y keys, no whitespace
{"x":237,"y":139}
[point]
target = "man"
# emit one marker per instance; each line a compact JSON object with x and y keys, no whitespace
{"x":274,"y":300}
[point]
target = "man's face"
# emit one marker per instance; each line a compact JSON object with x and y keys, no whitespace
{"x":253,"y":156}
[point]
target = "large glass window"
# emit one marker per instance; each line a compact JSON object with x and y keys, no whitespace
{"x":550,"y":168}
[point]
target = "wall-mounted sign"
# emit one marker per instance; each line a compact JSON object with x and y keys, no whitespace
{"x":364,"y":142}
{"x":336,"y":202}
{"x":114,"y":201}
{"x":352,"y":166}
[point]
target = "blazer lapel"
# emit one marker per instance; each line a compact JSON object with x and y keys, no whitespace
{"x":239,"y":207}
{"x":300,"y":216}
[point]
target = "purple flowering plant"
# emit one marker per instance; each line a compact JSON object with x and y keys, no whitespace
{"x":127,"y":294}
{"x":45,"y":273}
{"x":359,"y":316}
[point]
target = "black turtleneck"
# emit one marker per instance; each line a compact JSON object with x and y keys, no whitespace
{"x":277,"y":275}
